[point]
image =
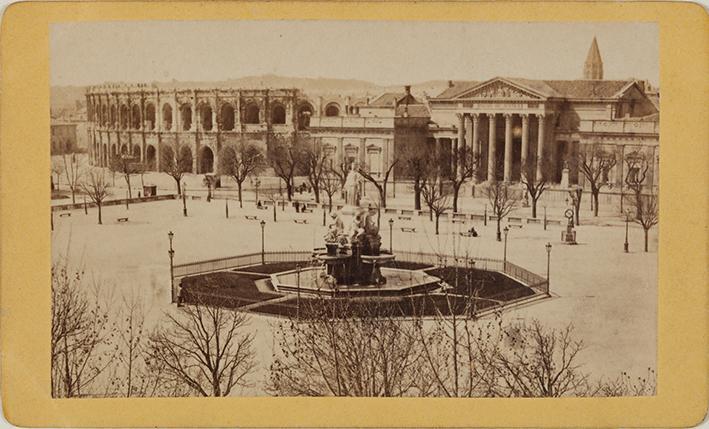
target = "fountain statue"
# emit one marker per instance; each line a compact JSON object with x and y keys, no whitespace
{"x":353,"y":187}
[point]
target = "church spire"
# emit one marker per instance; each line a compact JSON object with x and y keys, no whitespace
{"x":593,"y":67}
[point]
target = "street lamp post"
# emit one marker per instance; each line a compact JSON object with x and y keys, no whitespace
{"x":504,"y":257}
{"x":627,"y":220}
{"x":485,"y":216}
{"x":171,"y":253}
{"x":263,"y":248}
{"x":391,"y":235}
{"x":184,"y":199}
{"x":548,"y":247}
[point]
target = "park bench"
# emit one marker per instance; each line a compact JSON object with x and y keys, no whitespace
{"x":533,"y":220}
{"x":514,"y":222}
{"x":553,"y":222}
{"x":407,"y":212}
{"x":390,"y":211}
{"x":404,"y":217}
{"x":250,"y":217}
{"x":477,"y":217}
{"x":300,"y":221}
{"x":122,"y":219}
{"x":307,"y":210}
{"x":64,"y":214}
{"x":461,"y":221}
{"x":408,"y":229}
{"x":263,"y":207}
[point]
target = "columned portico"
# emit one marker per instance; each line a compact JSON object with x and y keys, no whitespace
{"x":540,"y":146}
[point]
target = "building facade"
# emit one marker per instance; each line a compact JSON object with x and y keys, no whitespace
{"x":512,"y":125}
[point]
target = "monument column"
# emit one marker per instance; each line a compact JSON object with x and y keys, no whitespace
{"x":525,"y":144}
{"x":491,"y":148}
{"x":508,"y":148}
{"x":540,"y":146}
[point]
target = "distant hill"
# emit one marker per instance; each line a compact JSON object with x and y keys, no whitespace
{"x":66,"y":97}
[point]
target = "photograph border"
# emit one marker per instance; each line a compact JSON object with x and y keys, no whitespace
{"x":25,"y":255}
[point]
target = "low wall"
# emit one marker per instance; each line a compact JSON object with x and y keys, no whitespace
{"x":62,"y":207}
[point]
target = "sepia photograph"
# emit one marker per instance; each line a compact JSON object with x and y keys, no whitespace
{"x":354,"y":208}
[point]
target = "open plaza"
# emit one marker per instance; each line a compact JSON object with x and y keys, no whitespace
{"x":608,"y":295}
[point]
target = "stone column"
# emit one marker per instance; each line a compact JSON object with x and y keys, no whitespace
{"x":475,"y":127}
{"x":437,"y":157}
{"x":469,"y":140}
{"x":362,"y":155}
{"x":525,"y":144}
{"x":459,"y":146}
{"x":508,"y":148}
{"x":340,"y":151}
{"x":195,"y":115}
{"x":491,"y":168}
{"x":540,"y":146}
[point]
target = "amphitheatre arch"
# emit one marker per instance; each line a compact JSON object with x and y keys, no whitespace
{"x":186,"y":117}
{"x":167,"y":116}
{"x":278,"y":114}
{"x":251,"y":114}
{"x":186,"y":158}
{"x":205,"y":111}
{"x":206,"y":160}
{"x":227,"y":117}
{"x":150,"y":116}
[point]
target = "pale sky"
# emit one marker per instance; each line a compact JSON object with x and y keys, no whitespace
{"x":385,"y":53}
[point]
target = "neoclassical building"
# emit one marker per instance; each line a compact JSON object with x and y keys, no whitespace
{"x":506,"y":122}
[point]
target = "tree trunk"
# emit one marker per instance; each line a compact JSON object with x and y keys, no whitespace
{"x":241,"y":204}
{"x":383,"y":195}
{"x":73,"y":198}
{"x":646,"y":234}
{"x":534,"y":207}
{"x":595,"y":203}
{"x":437,"y":217}
{"x":499,"y":233}
{"x":99,"y":213}
{"x":417,"y":195}
{"x":456,"y":190}
{"x":179,"y":186}
{"x":316,"y":191}
{"x":289,"y":190}
{"x":274,"y":211}
{"x":130,"y":194}
{"x":329,"y":203}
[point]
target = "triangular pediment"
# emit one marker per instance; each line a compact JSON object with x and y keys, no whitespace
{"x":499,"y":88}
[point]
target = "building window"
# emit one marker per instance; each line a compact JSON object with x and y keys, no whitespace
{"x":332,"y":109}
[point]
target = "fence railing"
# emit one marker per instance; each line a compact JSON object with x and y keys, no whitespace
{"x":526,"y":277}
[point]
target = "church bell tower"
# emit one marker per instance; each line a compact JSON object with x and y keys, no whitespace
{"x":593,"y":67}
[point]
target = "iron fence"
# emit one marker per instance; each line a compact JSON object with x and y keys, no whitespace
{"x":526,"y":277}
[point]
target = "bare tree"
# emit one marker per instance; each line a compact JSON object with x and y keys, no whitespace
{"x":364,"y":170}
{"x":244,"y":161}
{"x":126,"y":166}
{"x":205,"y":348}
{"x":341,"y":170}
{"x":534,"y":361}
{"x":595,"y":163}
{"x":330,"y":184}
{"x":96,"y":187}
{"x":467,"y":164}
{"x":637,"y":166}
{"x":73,"y":171}
{"x":436,"y":198}
{"x":80,"y":334}
{"x":626,"y":385}
{"x":284,"y":157}
{"x":175,"y":164}
{"x":58,"y":170}
{"x":646,"y":213}
{"x":503,"y":199}
{"x":535,"y":186}
{"x":342,"y":347}
{"x":131,"y":339}
{"x":418,"y":165}
{"x":314,"y":162}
